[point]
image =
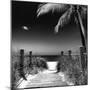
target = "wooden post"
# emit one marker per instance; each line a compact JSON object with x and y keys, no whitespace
{"x":21,"y":57}
{"x":60,"y":60}
{"x":62,"y":53}
{"x":82,"y":55}
{"x":30,"y":55}
{"x":69,"y":53}
{"x":30,"y":58}
{"x":22,"y":64}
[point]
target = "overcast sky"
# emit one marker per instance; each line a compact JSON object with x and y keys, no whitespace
{"x":40,"y":36}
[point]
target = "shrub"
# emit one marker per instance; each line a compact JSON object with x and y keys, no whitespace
{"x":37,"y":64}
{"x":71,"y":65}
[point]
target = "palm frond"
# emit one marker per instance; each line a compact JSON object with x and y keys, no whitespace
{"x":64,"y":19}
{"x":45,"y":8}
{"x":83,"y":11}
{"x":75,"y":19}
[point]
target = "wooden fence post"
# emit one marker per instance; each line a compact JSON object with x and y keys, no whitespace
{"x":21,"y":57}
{"x":82,"y":55}
{"x":30,"y":55}
{"x":22,"y":64}
{"x":69,"y":53}
{"x":62,"y":53}
{"x":30,"y":58}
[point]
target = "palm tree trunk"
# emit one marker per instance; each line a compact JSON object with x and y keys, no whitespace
{"x":82,"y":30}
{"x":83,"y":39}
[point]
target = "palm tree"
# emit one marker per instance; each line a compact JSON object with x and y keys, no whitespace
{"x":78,"y":12}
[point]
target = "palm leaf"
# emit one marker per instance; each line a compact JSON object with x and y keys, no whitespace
{"x":83,"y":11}
{"x":45,"y":8}
{"x":64,"y":19}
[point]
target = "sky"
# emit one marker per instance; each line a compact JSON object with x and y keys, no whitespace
{"x":39,"y":37}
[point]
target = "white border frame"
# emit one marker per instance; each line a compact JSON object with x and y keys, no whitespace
{"x":5,"y":27}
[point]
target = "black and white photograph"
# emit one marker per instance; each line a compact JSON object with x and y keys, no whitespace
{"x":49,"y":44}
